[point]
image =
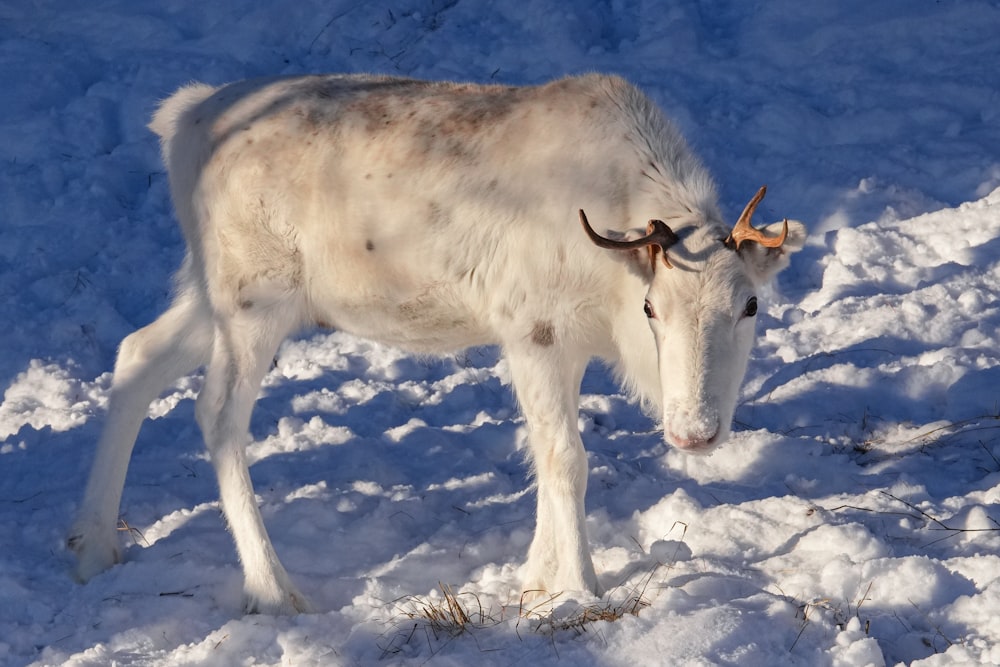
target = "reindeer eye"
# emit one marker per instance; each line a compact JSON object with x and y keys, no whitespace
{"x":751,"y":308}
{"x":648,"y":309}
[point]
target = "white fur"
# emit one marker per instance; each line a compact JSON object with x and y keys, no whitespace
{"x":433,"y":216}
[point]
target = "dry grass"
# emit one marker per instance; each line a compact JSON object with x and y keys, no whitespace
{"x":805,"y":610}
{"x":547,"y":618}
{"x":449,"y":615}
{"x":586,"y":615}
{"x":134,"y":533}
{"x":440,"y":620}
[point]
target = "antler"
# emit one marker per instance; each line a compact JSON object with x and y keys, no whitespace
{"x":657,"y":235}
{"x":744,"y":231}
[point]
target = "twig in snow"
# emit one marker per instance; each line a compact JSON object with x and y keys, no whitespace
{"x":920,"y":514}
{"x":134,"y":533}
{"x":937,"y":628}
{"x":18,"y":501}
{"x":958,"y":425}
{"x":334,"y":18}
{"x":806,"y":608}
{"x":995,"y":460}
{"x":941,"y":525}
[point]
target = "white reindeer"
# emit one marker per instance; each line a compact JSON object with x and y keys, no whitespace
{"x":436,"y":216}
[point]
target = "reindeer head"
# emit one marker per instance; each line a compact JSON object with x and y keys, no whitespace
{"x":701,"y":306}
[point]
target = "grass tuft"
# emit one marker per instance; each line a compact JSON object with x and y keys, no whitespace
{"x":586,"y":615}
{"x":441,"y":620}
{"x":450,"y":615}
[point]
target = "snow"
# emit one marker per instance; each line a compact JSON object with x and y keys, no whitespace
{"x":853,"y":518}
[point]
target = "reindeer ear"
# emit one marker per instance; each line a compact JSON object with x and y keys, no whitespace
{"x":765,"y":263}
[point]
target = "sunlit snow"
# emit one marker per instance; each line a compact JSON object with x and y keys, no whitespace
{"x":853,"y":519}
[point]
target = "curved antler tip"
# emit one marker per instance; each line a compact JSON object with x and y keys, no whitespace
{"x":784,"y":231}
{"x":664,"y":234}
{"x":744,"y":231}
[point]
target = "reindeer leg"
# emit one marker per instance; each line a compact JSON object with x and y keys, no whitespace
{"x":547,"y":382}
{"x":242,"y":353}
{"x":149,"y":360}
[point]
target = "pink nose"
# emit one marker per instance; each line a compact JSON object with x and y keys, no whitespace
{"x":693,"y":441}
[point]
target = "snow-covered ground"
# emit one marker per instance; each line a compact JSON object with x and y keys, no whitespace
{"x":853,"y":519}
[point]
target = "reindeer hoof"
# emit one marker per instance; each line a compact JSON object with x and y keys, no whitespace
{"x":93,"y":555}
{"x":288,"y":603}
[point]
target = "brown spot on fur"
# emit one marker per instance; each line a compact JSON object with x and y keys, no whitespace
{"x":543,"y":334}
{"x":369,"y":246}
{"x":438,"y":215}
{"x":323,"y":92}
